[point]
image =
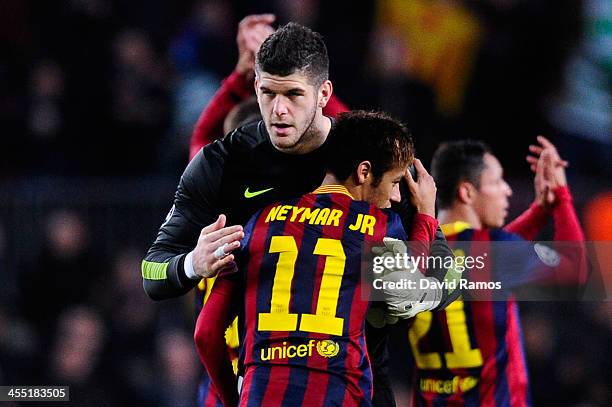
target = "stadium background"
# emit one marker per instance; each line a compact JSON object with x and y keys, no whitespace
{"x":97,"y":102}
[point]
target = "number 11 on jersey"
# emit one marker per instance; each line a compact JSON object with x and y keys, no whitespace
{"x":324,"y":321}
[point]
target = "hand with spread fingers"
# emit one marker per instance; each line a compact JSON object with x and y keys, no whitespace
{"x":252,"y":32}
{"x":549,"y":169}
{"x":212,"y":253}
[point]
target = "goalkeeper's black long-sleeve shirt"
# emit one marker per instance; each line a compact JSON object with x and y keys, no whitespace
{"x":227,"y":177}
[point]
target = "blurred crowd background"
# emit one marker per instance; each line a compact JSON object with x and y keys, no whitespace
{"x":98,"y":99}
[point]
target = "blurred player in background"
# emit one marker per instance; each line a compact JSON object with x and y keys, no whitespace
{"x":299,"y":283}
{"x":472,"y":353}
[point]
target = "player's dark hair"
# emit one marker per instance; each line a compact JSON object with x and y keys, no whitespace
{"x":294,"y":48}
{"x":243,"y":113}
{"x":455,"y":162}
{"x":368,"y":136}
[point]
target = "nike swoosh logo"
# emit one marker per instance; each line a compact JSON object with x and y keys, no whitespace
{"x":248,"y":194}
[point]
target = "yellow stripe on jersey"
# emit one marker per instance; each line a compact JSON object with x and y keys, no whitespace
{"x":231,"y":334}
{"x":454,"y":228}
{"x":327,"y":189}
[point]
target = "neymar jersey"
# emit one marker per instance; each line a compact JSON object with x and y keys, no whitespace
{"x":305,"y":301}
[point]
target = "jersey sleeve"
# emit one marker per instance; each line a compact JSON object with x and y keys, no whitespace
{"x":568,"y":229}
{"x":195,"y":206}
{"x":522,"y":262}
{"x":567,"y":226}
{"x":423,"y":228}
{"x":572,"y":268}
{"x":209,"y":127}
{"x":422,"y":234}
{"x":223,"y":305}
{"x":530,"y":223}
{"x":216,"y":315}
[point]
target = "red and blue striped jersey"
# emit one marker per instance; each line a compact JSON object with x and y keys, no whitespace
{"x":305,"y":304}
{"x":207,"y":397}
{"x":471,"y":353}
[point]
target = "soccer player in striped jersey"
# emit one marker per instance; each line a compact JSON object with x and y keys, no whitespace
{"x":471,"y":353}
{"x":299,"y":286}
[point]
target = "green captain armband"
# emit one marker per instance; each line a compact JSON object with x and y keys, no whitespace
{"x":154,"y":271}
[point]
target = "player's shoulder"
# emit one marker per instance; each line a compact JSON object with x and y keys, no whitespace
{"x":276,"y":206}
{"x":389,"y":214}
{"x":235,"y":146}
{"x":366,"y":208}
{"x":242,"y":139}
{"x":464,"y":232}
{"x":394,"y":225}
{"x":246,"y":137}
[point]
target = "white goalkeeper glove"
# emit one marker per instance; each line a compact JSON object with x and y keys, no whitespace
{"x":406,"y":302}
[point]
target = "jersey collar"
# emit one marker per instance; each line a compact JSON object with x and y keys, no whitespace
{"x":333,"y":188}
{"x":454,"y":228}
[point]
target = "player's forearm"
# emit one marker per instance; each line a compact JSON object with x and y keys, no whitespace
{"x":210,"y":340}
{"x":423,"y":228}
{"x":530,"y":223}
{"x":164,"y":276}
{"x":163,"y":268}
{"x":568,"y":229}
{"x":209,"y":127}
{"x":441,"y":249}
{"x":567,"y":226}
{"x":422,"y":233}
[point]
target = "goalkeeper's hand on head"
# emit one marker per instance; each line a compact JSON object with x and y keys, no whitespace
{"x":406,"y":302}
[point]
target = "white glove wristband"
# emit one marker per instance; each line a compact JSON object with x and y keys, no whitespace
{"x":188,"y":266}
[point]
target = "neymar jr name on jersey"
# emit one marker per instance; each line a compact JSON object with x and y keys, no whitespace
{"x":320,"y":216}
